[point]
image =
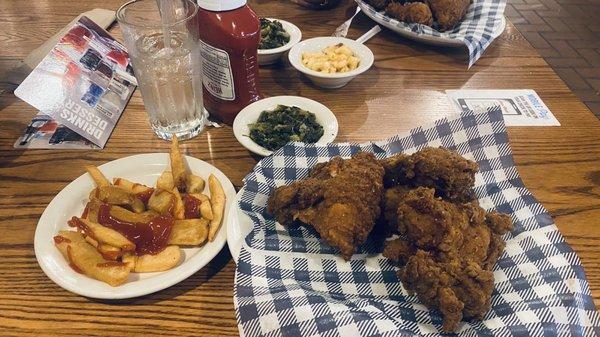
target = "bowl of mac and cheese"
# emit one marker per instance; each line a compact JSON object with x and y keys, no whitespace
{"x":331,"y":62}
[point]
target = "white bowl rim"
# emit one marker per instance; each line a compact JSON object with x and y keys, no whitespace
{"x":295,"y":37}
{"x":323,"y":111}
{"x":352,"y":44}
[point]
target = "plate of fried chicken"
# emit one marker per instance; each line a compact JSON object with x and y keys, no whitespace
{"x":437,"y":22}
{"x":427,"y":233}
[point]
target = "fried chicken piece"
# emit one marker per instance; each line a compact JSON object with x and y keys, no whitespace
{"x":458,"y":288}
{"x":285,"y":203}
{"x":410,"y":12}
{"x":398,"y":251}
{"x":449,"y":250}
{"x":449,"y":173}
{"x":450,"y":230}
{"x":396,"y":170}
{"x":392,"y":198}
{"x":495,"y":249}
{"x":499,"y":223}
{"x":448,"y":13}
{"x":341,"y":199}
{"x":429,"y":224}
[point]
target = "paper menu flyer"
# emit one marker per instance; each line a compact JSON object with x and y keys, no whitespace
{"x":44,"y":132}
{"x":519,"y":107}
{"x":84,"y":83}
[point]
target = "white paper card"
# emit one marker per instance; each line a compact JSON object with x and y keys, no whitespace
{"x":519,"y":107}
{"x":84,"y":84}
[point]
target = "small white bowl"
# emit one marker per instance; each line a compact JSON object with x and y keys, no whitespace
{"x":330,"y":81}
{"x":250,"y":114}
{"x":269,"y":56}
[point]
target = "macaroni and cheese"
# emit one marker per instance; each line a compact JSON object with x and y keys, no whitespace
{"x":333,"y":59}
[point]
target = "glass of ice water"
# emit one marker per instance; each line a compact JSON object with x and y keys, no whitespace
{"x":162,"y":40}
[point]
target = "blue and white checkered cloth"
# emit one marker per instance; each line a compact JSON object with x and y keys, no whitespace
{"x":482,"y":23}
{"x":289,"y":283}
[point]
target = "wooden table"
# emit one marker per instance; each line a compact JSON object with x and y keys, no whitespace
{"x":404,"y":89}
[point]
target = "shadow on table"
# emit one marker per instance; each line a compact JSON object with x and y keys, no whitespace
{"x":198,"y":279}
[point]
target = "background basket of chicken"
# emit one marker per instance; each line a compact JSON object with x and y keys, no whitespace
{"x":442,"y":15}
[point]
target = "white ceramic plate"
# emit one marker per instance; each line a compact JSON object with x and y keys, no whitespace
{"x":269,"y":56}
{"x":407,"y":33}
{"x":237,"y":229}
{"x":250,"y":114}
{"x":145,"y":169}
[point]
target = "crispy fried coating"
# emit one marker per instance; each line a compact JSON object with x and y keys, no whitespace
{"x":449,"y":173}
{"x":499,"y":223}
{"x":392,"y":198}
{"x":341,"y":199}
{"x":410,"y":12}
{"x":398,"y":251}
{"x":449,"y":250}
{"x":451,"y":230}
{"x":458,"y":288}
{"x":396,"y":170}
{"x":448,"y":13}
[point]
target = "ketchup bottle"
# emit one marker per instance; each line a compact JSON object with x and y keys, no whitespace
{"x":229,"y":34}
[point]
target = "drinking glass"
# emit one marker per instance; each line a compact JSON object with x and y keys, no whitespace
{"x":162,"y":40}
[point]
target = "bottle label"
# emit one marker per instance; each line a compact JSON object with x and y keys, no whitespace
{"x":217,"y":76}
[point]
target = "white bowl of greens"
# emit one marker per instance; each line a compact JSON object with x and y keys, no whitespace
{"x":277,"y":37}
{"x":268,"y":124}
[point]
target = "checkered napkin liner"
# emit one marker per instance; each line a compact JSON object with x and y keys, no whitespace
{"x":477,"y":30}
{"x":290,"y":284}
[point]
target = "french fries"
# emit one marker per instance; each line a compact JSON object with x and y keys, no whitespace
{"x":191,"y":232}
{"x":91,"y":210}
{"x":122,"y":214}
{"x":129,"y":260}
{"x":162,"y":201}
{"x":109,"y":252}
{"x":206,"y":210}
{"x":217,"y":197}
{"x":194,"y":184}
{"x":98,"y":177}
{"x":91,"y":241}
{"x":178,"y":208}
{"x":200,"y":197}
{"x":114,"y":195}
{"x":205,"y":206}
{"x":165,"y":181}
{"x":87,"y":260}
{"x":130,"y":186}
{"x":103,"y":235}
{"x":148,"y":263}
{"x":177,"y":165}
{"x":130,"y":227}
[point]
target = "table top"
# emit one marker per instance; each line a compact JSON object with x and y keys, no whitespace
{"x":405,"y":88}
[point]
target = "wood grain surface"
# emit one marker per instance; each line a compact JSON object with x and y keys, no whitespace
{"x":404,"y":89}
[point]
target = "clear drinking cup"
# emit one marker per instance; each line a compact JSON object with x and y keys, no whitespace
{"x":165,"y":57}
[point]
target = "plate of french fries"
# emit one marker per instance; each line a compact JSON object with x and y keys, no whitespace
{"x":135,"y":225}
